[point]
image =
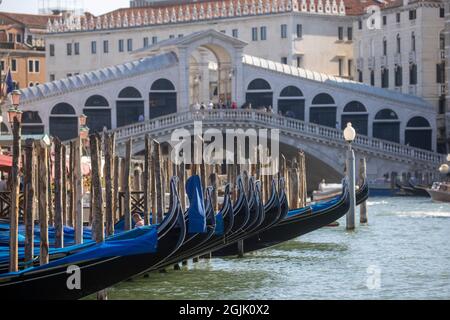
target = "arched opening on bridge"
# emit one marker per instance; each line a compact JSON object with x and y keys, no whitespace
{"x":356,"y":113}
{"x":291,"y":103}
{"x":163,"y":98}
{"x":323,"y":110}
{"x":210,"y":75}
{"x":259,"y":94}
{"x":418,"y":133}
{"x":32,"y":123}
{"x":386,"y":126}
{"x":63,"y":122}
{"x":98,"y":113}
{"x":130,"y":107}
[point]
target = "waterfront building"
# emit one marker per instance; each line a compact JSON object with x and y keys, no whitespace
{"x":22,"y":48}
{"x":402,"y":48}
{"x":447,"y":66}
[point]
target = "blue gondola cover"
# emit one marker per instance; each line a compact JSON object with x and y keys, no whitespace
{"x":196,"y":211}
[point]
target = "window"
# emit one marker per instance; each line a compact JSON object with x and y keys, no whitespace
{"x":385,"y":78}
{"x":340,"y":33}
{"x":52,"y":50}
{"x":154,"y":40}
{"x":52,"y":77}
{"x":350,"y":33}
{"x":350,"y":67}
{"x":340,"y":62}
{"x":360,"y":24}
{"x":384,"y":20}
{"x":31,"y":84}
{"x":30,"y":66}
{"x":235,"y":33}
{"x":254,"y":34}
{"x":284,"y":60}
{"x":413,"y":42}
{"x":399,"y":48}
{"x":397,"y":17}
{"x":440,"y":72}
{"x":121,"y":45}
{"x":223,"y":31}
{"x":77,"y":48}
{"x":398,"y":76}
{"x":130,"y":44}
{"x":299,"y":31}
{"x":360,"y":76}
{"x":69,"y":49}
{"x":69,"y":75}
{"x":283,"y":31}
{"x":372,"y":77}
{"x":18,"y":38}
{"x":171,"y":36}
{"x":412,"y":14}
{"x":10,"y":37}
{"x":105,"y":46}
{"x":384,"y":47}
{"x":181,"y":35}
{"x":263,"y":33}
{"x":93,"y":47}
{"x":13,"y":65}
{"x":30,"y":40}
{"x":441,"y":13}
{"x":299,"y":61}
{"x":37,"y":66}
{"x":2,"y":65}
{"x":146,"y":42}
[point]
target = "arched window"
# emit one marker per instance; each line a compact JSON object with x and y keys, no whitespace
{"x":32,"y":123}
{"x":356,"y":113}
{"x":163,"y":98}
{"x":386,"y":126}
{"x":130,"y":107}
{"x":323,"y":110}
{"x":259,"y":94}
{"x":98,"y":113}
{"x":291,"y":103}
{"x":130,"y":92}
{"x":63,"y":122}
{"x":418,"y":133}
{"x":399,"y":47}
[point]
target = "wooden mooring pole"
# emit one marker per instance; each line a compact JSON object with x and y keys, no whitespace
{"x":14,"y":208}
{"x":29,"y":210}
{"x":77,"y":189}
{"x":108,"y":147}
{"x":59,"y":228}
{"x":43,"y":204}
{"x":147,"y":196}
{"x":362,"y":176}
{"x":126,"y":186}
{"x":156,"y":160}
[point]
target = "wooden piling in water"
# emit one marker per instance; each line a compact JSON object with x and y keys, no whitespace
{"x":77,"y":191}
{"x":115,"y":202}
{"x":182,"y":186}
{"x":14,"y":207}
{"x":43,"y":205}
{"x":108,"y":142}
{"x":156,"y":159}
{"x":29,"y":197}
{"x":64,"y":183}
{"x":362,"y":176}
{"x":49,"y":186}
{"x":147,"y":196}
{"x":59,"y":227}
{"x":71,"y":209}
{"x":126,"y":186}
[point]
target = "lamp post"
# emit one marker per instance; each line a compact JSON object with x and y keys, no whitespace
{"x":14,"y":111}
{"x":349,"y":136}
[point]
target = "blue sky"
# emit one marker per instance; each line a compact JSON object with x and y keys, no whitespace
{"x":94,"y":6}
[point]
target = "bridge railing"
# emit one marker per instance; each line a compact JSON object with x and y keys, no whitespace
{"x":275,"y":121}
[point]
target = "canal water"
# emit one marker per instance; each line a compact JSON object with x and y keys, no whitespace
{"x":404,"y":253}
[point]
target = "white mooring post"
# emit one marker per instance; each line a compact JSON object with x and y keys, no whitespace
{"x":349,"y":136}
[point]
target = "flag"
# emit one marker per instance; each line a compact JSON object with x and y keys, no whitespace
{"x":9,"y":82}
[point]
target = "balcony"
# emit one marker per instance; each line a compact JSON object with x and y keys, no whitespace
{"x":442,"y":89}
{"x":371,"y":63}
{"x":412,"y":57}
{"x":397,"y":59}
{"x":7,"y":45}
{"x":412,"y":89}
{"x":360,"y":63}
{"x":384,"y":61}
{"x":441,"y":55}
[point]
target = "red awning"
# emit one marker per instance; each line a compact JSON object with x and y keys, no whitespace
{"x":5,"y":162}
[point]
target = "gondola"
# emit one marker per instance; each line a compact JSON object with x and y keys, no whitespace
{"x":129,"y":256}
{"x":304,"y":220}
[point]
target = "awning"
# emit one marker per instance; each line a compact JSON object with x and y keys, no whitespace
{"x":5,"y":162}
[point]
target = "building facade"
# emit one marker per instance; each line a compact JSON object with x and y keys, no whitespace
{"x":316,"y":35}
{"x":402,"y":47}
{"x":447,"y":66}
{"x":22,"y":48}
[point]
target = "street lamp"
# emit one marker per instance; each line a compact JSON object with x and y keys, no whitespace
{"x":444,"y":169}
{"x":349,"y":136}
{"x":14,"y":112}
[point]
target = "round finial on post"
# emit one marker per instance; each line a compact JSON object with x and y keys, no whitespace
{"x":349,"y":133}
{"x":444,"y":169}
